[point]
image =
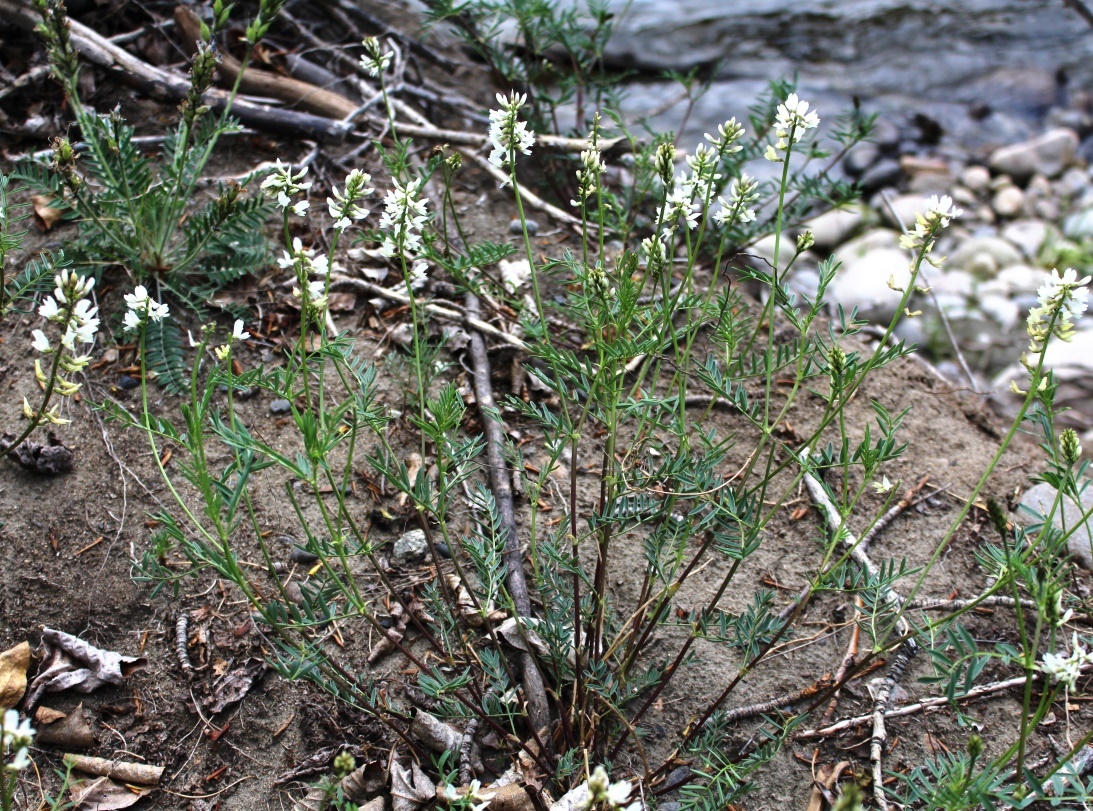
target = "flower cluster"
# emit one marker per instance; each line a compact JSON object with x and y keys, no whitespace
{"x":375,"y":61}
{"x":403,"y":216}
{"x":78,"y":320}
{"x":238,"y":334}
{"x":1061,"y":300}
{"x":282,"y":185}
{"x":142,"y":308}
{"x":940,"y":211}
{"x":790,"y":124}
{"x":305,"y":263}
{"x":592,"y":166}
{"x":604,"y":794}
{"x":508,"y":134}
{"x":466,"y":800}
{"x":742,"y":193}
{"x":16,"y":737}
{"x":1066,"y":669}
{"x":655,"y":248}
{"x":344,"y":208}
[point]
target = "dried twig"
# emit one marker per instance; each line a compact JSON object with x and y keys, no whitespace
{"x":882,"y":690}
{"x":534,"y":690}
{"x":448,"y":313}
{"x":892,"y":513}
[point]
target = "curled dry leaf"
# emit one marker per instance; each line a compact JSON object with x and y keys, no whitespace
{"x":466,"y":604}
{"x":234,"y":685}
{"x":45,"y":215}
{"x":69,"y":663}
{"x":73,"y":731}
{"x":410,"y":788}
{"x":104,"y":795}
{"x":13,"y":674}
{"x":573,"y":800}
{"x":49,"y":460}
{"x":143,"y":774}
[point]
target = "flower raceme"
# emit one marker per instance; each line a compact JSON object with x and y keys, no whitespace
{"x":282,"y":185}
{"x":78,"y":321}
{"x":374,"y":60}
{"x":508,"y":134}
{"x":940,"y":211}
{"x":238,"y":334}
{"x":404,"y":215}
{"x":343,"y":207}
{"x":142,"y":308}
{"x":790,"y":124}
{"x":604,"y":795}
{"x":305,"y":262}
{"x":1061,"y":300}
{"x":1066,"y":669}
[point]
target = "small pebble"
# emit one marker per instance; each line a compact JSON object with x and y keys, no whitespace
{"x":517,"y":230}
{"x":280,"y":407}
{"x":442,"y":549}
{"x":301,"y":555}
{"x":126,"y":382}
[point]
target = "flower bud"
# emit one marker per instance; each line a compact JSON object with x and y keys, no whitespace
{"x":344,"y":763}
{"x":975,"y":746}
{"x":1070,"y":445}
{"x":805,"y":241}
{"x":665,"y":162}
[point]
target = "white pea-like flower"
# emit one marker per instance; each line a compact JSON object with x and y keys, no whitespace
{"x":1061,"y":300}
{"x":404,"y":215}
{"x":142,"y":308}
{"x":791,"y":123}
{"x":940,"y":211}
{"x":343,"y":208}
{"x":1065,"y":670}
{"x":282,"y":185}
{"x":49,"y":310}
{"x":374,"y":60}
{"x":40,"y":342}
{"x":508,"y":134}
{"x":16,"y":736}
{"x":603,"y":794}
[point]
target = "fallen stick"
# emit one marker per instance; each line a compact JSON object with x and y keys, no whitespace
{"x":845,"y":665}
{"x":168,"y":86}
{"x":771,"y":705}
{"x":534,"y":690}
{"x":446,"y":313}
{"x":894,"y":512}
{"x":256,"y":82}
{"x":883,"y":688}
{"x":910,"y":709}
{"x":140,"y":773}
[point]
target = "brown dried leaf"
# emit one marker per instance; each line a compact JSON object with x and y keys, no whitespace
{"x":234,"y":685}
{"x":13,"y":674}
{"x":104,"y":795}
{"x":45,"y":215}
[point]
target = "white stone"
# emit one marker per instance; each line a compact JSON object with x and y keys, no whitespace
{"x":971,"y":253}
{"x":410,"y":548}
{"x":1008,"y":202}
{"x":1040,"y":498}
{"x":906,"y":206}
{"x":1048,"y":154}
{"x":863,"y":283}
{"x":1028,"y":235}
{"x":832,"y":228}
{"x":976,"y":178}
{"x":1002,"y":310}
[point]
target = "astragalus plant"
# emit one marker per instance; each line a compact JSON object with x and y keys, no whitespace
{"x":632,"y":339}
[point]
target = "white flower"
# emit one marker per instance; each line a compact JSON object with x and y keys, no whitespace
{"x":16,"y":735}
{"x":374,"y":60}
{"x":40,"y":342}
{"x":49,"y":309}
{"x":883,"y":486}
{"x":942,"y":208}
{"x":142,"y":308}
{"x":1066,"y":669}
{"x":1061,"y":299}
{"x":793,"y":116}
{"x":508,"y":134}
{"x":418,"y":273}
{"x":344,"y":208}
{"x":741,"y":193}
{"x":299,"y":208}
{"x":282,"y":184}
{"x":727,"y":135}
{"x":403,"y":217}
{"x":790,"y":124}
{"x":238,"y":334}
{"x":618,"y":793}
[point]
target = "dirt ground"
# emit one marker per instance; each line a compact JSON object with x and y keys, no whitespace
{"x":69,"y":542}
